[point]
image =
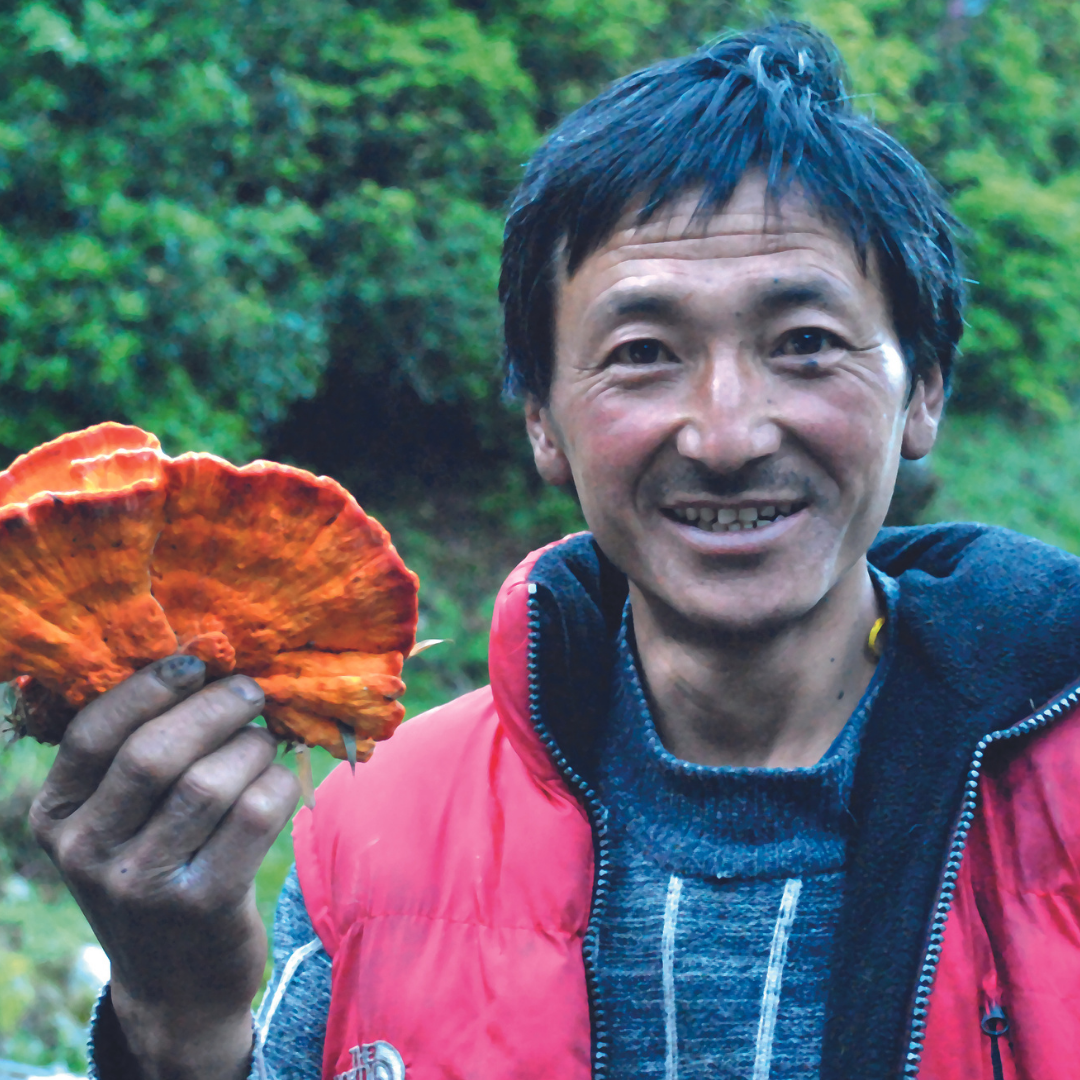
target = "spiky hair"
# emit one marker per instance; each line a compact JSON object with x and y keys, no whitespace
{"x":773,"y":99}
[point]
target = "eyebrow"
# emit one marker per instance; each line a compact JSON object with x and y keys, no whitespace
{"x":785,"y":295}
{"x":775,"y":298}
{"x":642,"y":304}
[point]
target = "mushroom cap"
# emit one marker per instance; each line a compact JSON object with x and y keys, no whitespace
{"x":307,"y":692}
{"x":79,"y":518}
{"x":116,"y":555}
{"x":266,"y":561}
{"x":80,"y":461}
{"x":275,"y":559}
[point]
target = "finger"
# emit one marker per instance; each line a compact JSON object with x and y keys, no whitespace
{"x":199,"y":800}
{"x":225,"y":866}
{"x":99,"y":730}
{"x":156,"y":755}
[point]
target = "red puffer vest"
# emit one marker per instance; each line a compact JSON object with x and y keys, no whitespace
{"x":451,"y":881}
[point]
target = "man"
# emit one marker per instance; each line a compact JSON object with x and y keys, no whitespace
{"x":741,"y":800}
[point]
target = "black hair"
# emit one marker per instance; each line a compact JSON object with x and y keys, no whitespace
{"x":772,"y":98}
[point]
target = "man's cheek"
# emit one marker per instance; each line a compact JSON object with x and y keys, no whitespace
{"x":852,"y":444}
{"x":608,"y":453}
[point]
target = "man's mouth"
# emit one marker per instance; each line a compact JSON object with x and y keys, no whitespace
{"x":722,"y":519}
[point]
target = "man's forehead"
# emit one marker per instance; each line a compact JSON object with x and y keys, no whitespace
{"x":750,"y":223}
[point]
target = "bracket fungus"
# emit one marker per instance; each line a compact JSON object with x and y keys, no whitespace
{"x":115,"y":555}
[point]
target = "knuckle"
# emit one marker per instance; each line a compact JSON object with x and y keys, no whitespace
{"x":142,"y":764}
{"x":41,"y":824}
{"x":199,"y":789}
{"x":71,"y":853}
{"x":201,"y":896}
{"x":81,"y":742}
{"x":259,"y":810}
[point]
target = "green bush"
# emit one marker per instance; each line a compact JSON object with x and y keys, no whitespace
{"x":1024,"y":478}
{"x":211,"y":212}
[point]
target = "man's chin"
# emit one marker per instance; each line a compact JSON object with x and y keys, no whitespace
{"x":722,"y":614}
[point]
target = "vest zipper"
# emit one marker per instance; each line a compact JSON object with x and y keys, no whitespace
{"x":994,"y":1024}
{"x":598,"y":820}
{"x":932,"y":955}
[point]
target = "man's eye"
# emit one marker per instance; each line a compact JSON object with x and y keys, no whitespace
{"x":807,"y":341}
{"x":640,"y":353}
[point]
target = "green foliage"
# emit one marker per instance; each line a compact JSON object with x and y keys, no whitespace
{"x":1022,"y":478}
{"x":195,"y":199}
{"x":208,"y":211}
{"x":990,"y":102}
{"x":135,"y":283}
{"x":45,"y":991}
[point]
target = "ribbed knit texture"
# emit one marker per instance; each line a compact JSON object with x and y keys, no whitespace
{"x":709,"y":852}
{"x":293,"y":1046}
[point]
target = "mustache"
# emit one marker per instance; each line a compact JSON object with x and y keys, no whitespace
{"x":690,"y":479}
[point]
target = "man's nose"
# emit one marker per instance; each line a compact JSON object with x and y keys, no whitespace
{"x":730,"y":415}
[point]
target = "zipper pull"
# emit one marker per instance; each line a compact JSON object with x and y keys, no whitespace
{"x":995,"y":1024}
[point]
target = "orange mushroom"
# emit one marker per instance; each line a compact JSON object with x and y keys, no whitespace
{"x":77,"y":529}
{"x":95,"y":459}
{"x":268,"y":570}
{"x":115,"y":555}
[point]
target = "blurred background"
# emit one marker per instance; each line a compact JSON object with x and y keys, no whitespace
{"x":265,"y":228}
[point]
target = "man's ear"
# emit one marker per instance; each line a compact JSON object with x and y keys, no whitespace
{"x":551,"y":461}
{"x":924,"y":415}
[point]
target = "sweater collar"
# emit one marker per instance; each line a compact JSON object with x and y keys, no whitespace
{"x":988,"y":615}
{"x":726,"y":822}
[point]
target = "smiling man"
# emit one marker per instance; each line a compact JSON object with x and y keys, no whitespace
{"x":731,"y":401}
{"x":756,"y":791}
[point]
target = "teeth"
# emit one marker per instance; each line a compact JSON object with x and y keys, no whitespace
{"x":728,"y":519}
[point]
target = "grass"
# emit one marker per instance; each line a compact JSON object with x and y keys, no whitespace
{"x":1023,"y":478}
{"x":45,"y":990}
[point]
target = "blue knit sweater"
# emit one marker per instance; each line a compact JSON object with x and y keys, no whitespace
{"x":726,"y":887}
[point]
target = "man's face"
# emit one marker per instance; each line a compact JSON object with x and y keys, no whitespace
{"x":730,"y":400}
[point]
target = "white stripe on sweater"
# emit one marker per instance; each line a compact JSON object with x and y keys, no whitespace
{"x":667,"y":960}
{"x":770,"y":999}
{"x":266,"y":1013}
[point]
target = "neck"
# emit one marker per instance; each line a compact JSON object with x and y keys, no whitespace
{"x":774,"y":700}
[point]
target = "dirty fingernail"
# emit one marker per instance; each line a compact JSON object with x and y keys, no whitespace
{"x":180,"y":672}
{"x":246,"y":688}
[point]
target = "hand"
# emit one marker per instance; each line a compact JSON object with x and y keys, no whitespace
{"x":161,"y":805}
